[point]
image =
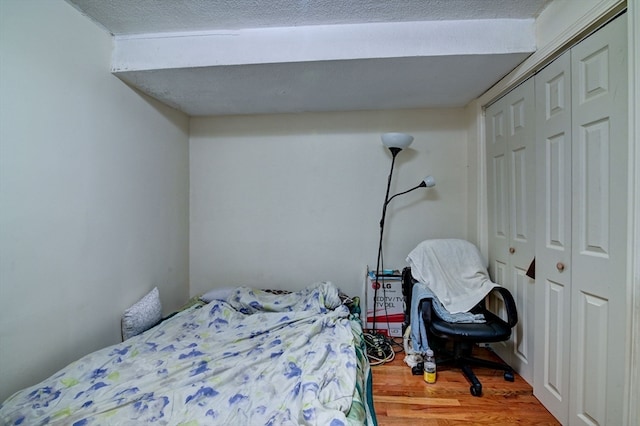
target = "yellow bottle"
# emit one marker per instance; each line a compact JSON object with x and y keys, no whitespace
{"x":430,"y":367}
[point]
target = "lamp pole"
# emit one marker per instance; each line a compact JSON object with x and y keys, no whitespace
{"x":394,"y":153}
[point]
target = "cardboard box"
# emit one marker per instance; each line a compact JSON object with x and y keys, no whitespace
{"x":389,"y":304}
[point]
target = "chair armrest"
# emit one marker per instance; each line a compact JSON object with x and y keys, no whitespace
{"x":509,"y":304}
{"x":407,"y":292}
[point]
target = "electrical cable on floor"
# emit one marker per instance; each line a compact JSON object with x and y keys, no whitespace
{"x":380,"y":348}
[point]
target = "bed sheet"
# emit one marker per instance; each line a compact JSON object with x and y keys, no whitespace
{"x":256,"y":359}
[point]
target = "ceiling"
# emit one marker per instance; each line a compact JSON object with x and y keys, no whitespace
{"x":224,"y":57}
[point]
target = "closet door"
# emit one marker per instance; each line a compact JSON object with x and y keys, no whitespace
{"x":511,"y":191}
{"x":497,"y":190}
{"x":581,"y":247}
{"x":553,"y":236}
{"x":599,"y":248}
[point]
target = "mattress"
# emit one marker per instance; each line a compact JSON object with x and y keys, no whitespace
{"x":257,"y":358}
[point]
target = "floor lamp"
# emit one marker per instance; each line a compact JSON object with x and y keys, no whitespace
{"x":395,"y":142}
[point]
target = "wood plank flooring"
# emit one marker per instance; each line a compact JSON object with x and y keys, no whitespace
{"x":401,"y":398}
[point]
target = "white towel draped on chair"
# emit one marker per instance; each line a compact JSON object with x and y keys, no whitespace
{"x":453,"y":270}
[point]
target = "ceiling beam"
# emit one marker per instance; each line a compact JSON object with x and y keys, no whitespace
{"x":323,"y":43}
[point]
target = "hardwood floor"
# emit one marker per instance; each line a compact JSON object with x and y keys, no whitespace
{"x":401,"y":398}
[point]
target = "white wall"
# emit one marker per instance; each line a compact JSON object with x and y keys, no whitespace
{"x":93,"y":193}
{"x":557,"y":18}
{"x":286,"y":200}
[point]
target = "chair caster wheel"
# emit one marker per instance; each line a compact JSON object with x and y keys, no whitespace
{"x":476,"y":390}
{"x":508,"y":376}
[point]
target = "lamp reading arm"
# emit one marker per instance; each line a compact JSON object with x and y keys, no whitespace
{"x":427,"y":182}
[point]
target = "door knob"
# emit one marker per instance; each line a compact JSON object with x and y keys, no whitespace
{"x":512,"y":250}
{"x":560,"y":266}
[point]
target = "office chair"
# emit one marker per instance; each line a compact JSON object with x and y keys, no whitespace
{"x":453,"y":342}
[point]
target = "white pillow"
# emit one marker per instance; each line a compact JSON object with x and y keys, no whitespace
{"x":143,"y":315}
{"x":217,"y":294}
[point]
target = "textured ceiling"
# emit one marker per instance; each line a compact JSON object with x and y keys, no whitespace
{"x":158,"y":16}
{"x":209,"y":57}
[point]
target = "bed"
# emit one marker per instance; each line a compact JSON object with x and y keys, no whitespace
{"x":255,"y":358}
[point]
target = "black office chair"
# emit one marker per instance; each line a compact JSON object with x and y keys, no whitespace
{"x":463,"y":336}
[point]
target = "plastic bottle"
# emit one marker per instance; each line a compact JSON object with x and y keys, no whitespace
{"x":430,"y":367}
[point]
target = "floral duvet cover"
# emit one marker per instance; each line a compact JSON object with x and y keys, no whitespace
{"x":255,"y":359}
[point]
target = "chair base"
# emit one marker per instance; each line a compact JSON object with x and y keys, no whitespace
{"x":461,"y":357}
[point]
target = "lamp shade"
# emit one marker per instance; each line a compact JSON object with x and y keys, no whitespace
{"x":429,"y":181}
{"x":396,"y":140}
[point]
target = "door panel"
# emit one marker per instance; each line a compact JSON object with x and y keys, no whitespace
{"x":558,"y":195}
{"x":554,"y":377}
{"x":523,"y":341}
{"x":511,"y":188}
{"x":519,"y":218}
{"x":553,"y":240}
{"x":589,"y":391}
{"x":592,"y":183}
{"x":497,"y":182}
{"x":599,"y":125}
{"x":501,"y":218}
{"x":521,"y":148}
